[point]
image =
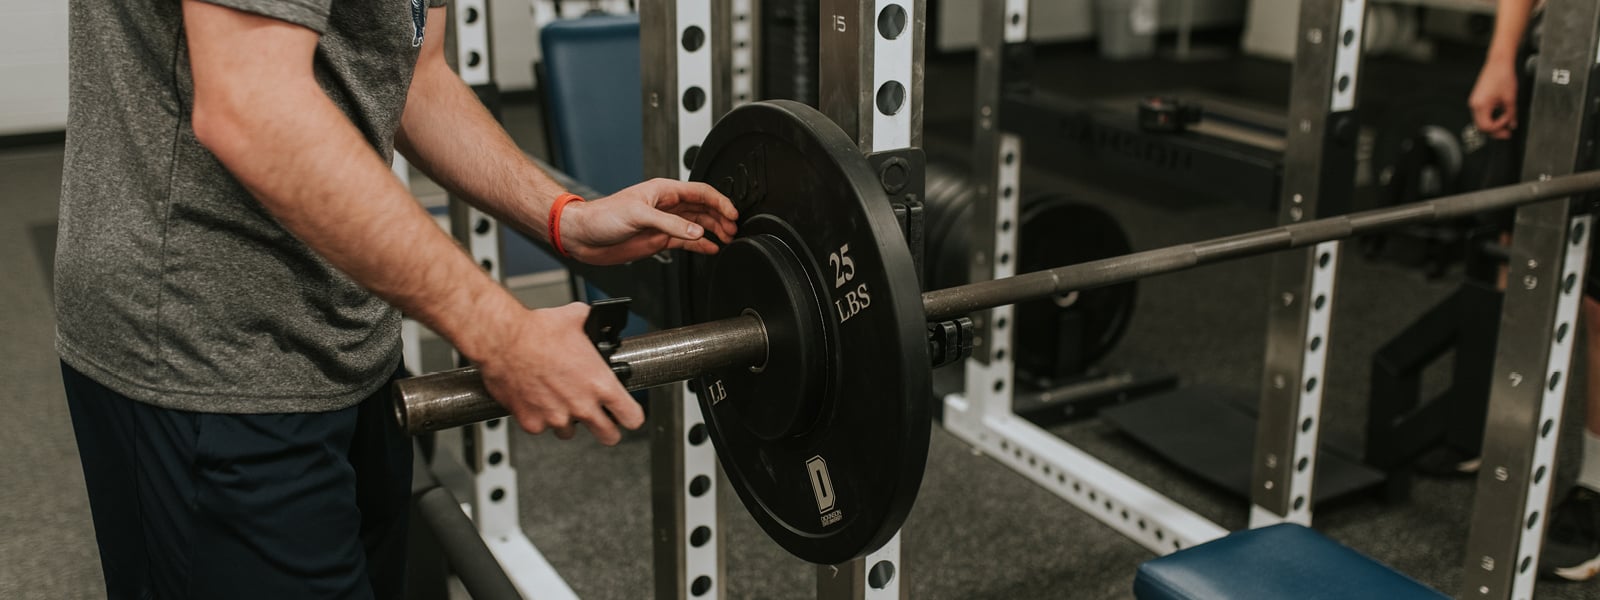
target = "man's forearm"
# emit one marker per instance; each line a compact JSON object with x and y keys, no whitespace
{"x":1510,"y":22}
{"x":307,"y":164}
{"x":448,"y":134}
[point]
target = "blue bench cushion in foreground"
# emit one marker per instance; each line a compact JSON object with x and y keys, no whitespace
{"x":1278,"y":562}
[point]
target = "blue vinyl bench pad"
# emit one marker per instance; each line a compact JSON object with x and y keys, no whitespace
{"x":1280,"y":562}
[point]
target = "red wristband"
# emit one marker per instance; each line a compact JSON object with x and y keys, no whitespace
{"x":555,"y":220}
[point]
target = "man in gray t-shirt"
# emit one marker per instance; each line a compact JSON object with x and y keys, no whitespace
{"x":233,"y":251}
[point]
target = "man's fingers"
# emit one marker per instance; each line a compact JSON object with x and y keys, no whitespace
{"x":602,"y":427}
{"x":1501,"y":125}
{"x":533,"y":425}
{"x":1506,"y":116}
{"x":700,"y":246}
{"x":670,"y":224}
{"x":1483,"y":111}
{"x":713,"y":225}
{"x":695,"y":193}
{"x":1495,"y":118}
{"x":1483,"y":118}
{"x":565,"y":433}
{"x":710,"y":220}
{"x":624,"y":410}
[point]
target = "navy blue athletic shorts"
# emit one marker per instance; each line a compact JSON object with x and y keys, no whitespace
{"x":201,"y":505}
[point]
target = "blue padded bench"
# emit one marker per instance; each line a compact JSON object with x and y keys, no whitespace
{"x":1273,"y":563}
{"x":594,"y":112}
{"x":592,"y":95}
{"x":594,"y":109}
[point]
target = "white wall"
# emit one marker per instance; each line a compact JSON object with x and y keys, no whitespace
{"x":516,"y":33}
{"x":515,"y":43}
{"x":1269,"y":28}
{"x":1391,"y":26}
{"x":1065,"y":20}
{"x":33,"y":66}
{"x":33,"y":60}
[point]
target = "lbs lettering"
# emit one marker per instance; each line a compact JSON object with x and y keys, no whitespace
{"x":855,"y":299}
{"x":852,"y":303}
{"x":716,"y":392}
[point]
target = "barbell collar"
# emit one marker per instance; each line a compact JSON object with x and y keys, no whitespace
{"x":458,"y":397}
{"x":962,"y":300}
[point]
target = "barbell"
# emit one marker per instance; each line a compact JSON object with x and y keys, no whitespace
{"x":812,"y":344}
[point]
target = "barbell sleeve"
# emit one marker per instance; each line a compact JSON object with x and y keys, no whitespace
{"x":458,"y":397}
{"x":962,"y":300}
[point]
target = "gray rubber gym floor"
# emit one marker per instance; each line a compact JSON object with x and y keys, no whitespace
{"x":978,"y":531}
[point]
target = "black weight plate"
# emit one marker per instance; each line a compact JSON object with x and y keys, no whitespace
{"x":1062,"y":335}
{"x":760,"y":274}
{"x":1421,"y":146}
{"x":947,"y":196}
{"x":842,"y":476}
{"x":1059,"y":337}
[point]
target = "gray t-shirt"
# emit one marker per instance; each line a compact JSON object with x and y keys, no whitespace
{"x":174,"y":286}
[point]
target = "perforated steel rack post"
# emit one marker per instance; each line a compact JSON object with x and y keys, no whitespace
{"x":1538,"y":323}
{"x":870,"y":83}
{"x":487,"y":449}
{"x":983,"y":415}
{"x":1317,"y":182}
{"x":738,"y":32}
{"x":410,"y":330}
{"x":678,"y":57}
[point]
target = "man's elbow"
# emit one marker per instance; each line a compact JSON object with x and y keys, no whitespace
{"x":218,"y":126}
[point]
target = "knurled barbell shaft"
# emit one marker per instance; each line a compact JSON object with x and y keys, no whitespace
{"x":458,"y":397}
{"x":958,"y":301}
{"x":455,"y":398}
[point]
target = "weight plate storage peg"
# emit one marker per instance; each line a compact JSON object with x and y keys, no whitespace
{"x":826,"y":441}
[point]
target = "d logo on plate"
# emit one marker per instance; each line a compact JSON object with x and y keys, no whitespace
{"x":821,"y":484}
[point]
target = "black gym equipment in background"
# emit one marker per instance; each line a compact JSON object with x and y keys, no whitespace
{"x":1059,"y":340}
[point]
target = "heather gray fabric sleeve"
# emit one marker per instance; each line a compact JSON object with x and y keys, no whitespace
{"x":311,"y":14}
{"x":435,"y":3}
